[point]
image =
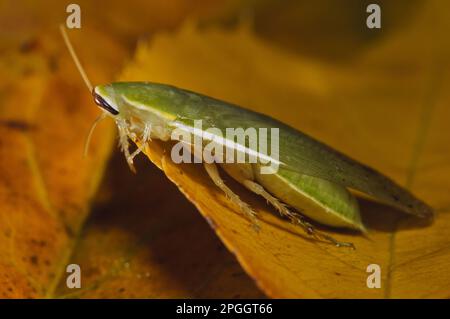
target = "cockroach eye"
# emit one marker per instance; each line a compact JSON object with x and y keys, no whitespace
{"x":104,"y":105}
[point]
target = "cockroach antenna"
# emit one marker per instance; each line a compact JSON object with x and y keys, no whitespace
{"x":91,"y":130}
{"x":75,"y":57}
{"x":86,"y":81}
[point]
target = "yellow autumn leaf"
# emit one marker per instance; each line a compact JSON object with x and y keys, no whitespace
{"x":46,"y":185}
{"x":146,"y":240}
{"x":384,"y":105}
{"x":382,"y":109}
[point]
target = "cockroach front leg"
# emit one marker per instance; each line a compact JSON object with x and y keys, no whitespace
{"x":142,"y":142}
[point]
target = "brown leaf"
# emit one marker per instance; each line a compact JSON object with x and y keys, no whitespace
{"x":145,"y":240}
{"x":386,"y":107}
{"x":382,"y":109}
{"x":46,"y":185}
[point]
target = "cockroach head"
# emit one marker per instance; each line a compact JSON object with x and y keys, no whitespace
{"x":104,"y":99}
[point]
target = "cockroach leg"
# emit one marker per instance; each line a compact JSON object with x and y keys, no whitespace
{"x":213,"y":173}
{"x":124,"y":143}
{"x":295,"y":218}
{"x":142,"y":142}
{"x":125,"y":134}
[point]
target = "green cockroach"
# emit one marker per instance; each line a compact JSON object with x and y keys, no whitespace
{"x":312,"y":177}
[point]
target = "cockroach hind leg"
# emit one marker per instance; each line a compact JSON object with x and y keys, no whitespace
{"x":213,"y":173}
{"x":295,"y":218}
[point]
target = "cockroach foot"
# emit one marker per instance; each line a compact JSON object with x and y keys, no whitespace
{"x":295,"y":218}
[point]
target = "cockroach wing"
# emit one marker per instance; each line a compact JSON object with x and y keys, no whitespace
{"x":298,"y":152}
{"x":302,"y":154}
{"x":311,"y":157}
